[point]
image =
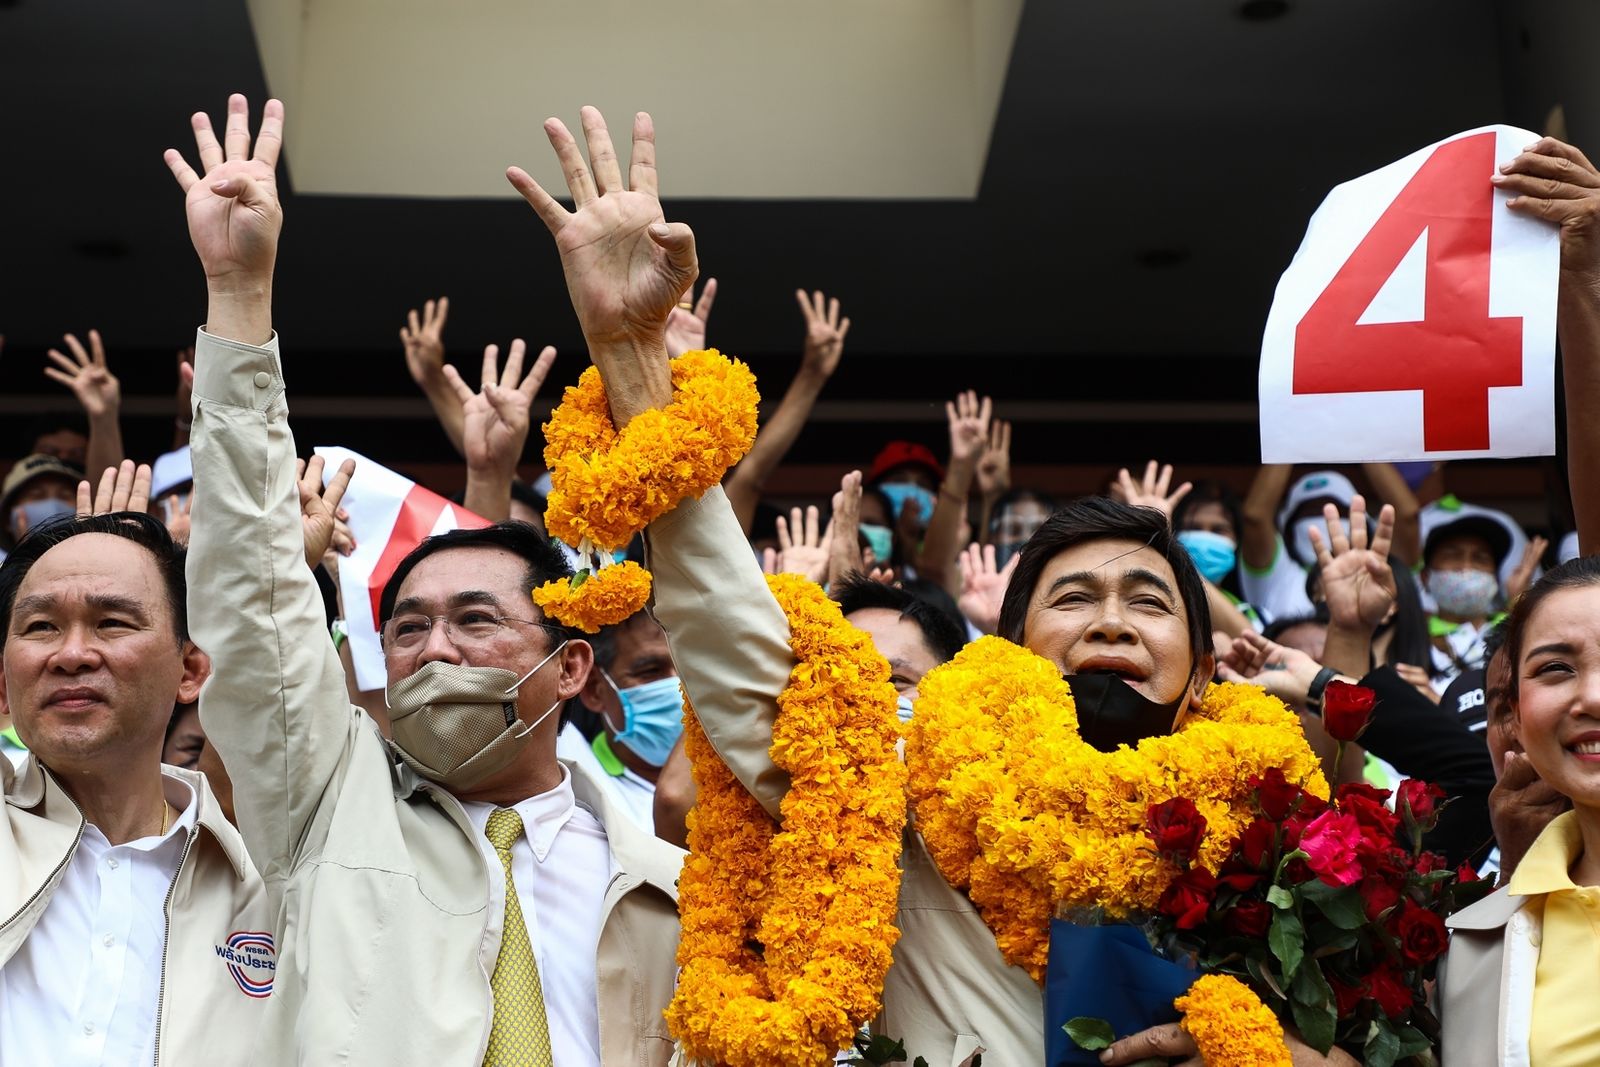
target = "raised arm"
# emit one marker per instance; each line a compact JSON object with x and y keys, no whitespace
{"x":99,"y":394}
{"x":1556,"y":182}
{"x":423,"y":338}
{"x":275,"y":707}
{"x":825,"y":332}
{"x":968,"y":418}
{"x":1258,"y":541}
{"x":495,"y":425}
{"x":625,"y":267}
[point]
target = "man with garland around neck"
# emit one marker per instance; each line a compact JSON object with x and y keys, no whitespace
{"x":460,"y":896}
{"x":1103,"y":591}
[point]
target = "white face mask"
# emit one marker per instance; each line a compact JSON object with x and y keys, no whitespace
{"x":457,"y":725}
{"x":1300,"y":541}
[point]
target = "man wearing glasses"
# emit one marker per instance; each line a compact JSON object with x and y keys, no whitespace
{"x":457,"y":897}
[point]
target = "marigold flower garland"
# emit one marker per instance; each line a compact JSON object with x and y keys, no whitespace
{"x":1032,"y":821}
{"x":606,"y":486}
{"x":1230,"y":1025}
{"x":787,"y":931}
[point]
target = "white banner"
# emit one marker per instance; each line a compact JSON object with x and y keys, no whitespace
{"x":389,"y":516}
{"x":1418,"y":319}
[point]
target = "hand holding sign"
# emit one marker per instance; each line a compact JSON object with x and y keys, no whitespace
{"x":1417,"y":320}
{"x":1555,"y":182}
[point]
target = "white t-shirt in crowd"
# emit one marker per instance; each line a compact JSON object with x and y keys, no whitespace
{"x":84,"y":988}
{"x":561,"y":865}
{"x":1279,"y":590}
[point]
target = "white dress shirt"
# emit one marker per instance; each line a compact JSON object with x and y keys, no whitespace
{"x":84,"y":988}
{"x":562,"y":865}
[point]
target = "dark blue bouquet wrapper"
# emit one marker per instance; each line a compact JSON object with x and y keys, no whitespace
{"x":1110,"y":973}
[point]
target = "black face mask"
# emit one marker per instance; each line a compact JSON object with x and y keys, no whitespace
{"x":1111,"y":712}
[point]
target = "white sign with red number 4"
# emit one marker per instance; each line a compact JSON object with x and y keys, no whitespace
{"x":1418,"y":319}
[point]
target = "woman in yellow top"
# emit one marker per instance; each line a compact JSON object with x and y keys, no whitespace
{"x":1524,"y":964}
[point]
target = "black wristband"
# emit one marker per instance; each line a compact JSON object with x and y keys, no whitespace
{"x":1318,"y":685}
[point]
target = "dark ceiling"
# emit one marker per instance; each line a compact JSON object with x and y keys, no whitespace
{"x":1152,"y":169}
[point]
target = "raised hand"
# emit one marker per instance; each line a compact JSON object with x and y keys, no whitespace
{"x":1357,"y":581}
{"x":1518,"y":581}
{"x":423,"y":339}
{"x":122,"y":488}
{"x":319,"y":505}
{"x":983,"y":587}
{"x":1554,"y":181}
{"x":825,"y":333}
{"x":1152,"y":490}
{"x":844,"y":555}
{"x":686,"y":324}
{"x":803,"y":548}
{"x":994,"y":464}
{"x":495,"y":419}
{"x":177,"y":511}
{"x":86,"y":374}
{"x":1286,"y":673}
{"x":232,"y":203}
{"x":626,"y":266}
{"x":969,"y":427}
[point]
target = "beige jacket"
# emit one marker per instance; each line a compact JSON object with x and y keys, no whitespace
{"x":1486,"y":982}
{"x":949,"y":991}
{"x":215,"y":896}
{"x":379,"y":895}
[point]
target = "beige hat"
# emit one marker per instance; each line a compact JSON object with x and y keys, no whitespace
{"x":34,"y":466}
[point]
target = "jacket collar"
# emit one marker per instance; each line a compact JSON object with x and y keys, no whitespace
{"x":36,"y":785}
{"x":639,"y":854}
{"x":1490,"y":913}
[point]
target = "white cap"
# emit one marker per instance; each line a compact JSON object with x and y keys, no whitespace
{"x":173,"y":470}
{"x":1318,"y":485}
{"x":1448,"y":509}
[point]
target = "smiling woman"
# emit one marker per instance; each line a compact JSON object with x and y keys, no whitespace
{"x":1533,"y":945}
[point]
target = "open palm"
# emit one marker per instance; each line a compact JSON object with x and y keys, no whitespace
{"x":232,"y":204}
{"x":625,"y":266}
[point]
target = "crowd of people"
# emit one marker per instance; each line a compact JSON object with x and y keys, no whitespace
{"x":216,"y":846}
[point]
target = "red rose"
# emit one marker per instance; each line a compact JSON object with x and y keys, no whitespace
{"x":1419,"y":803}
{"x":1188,"y":898}
{"x":1429,"y":862}
{"x":1275,"y":794}
{"x":1349,"y":997}
{"x":1248,"y":918}
{"x":1330,"y":844}
{"x":1346,"y":710}
{"x":1466,"y":873}
{"x":1177,"y":827}
{"x":1388,"y":987}
{"x":1368,"y":807}
{"x":1256,"y":844}
{"x":1421,"y":934}
{"x":1379,"y":894}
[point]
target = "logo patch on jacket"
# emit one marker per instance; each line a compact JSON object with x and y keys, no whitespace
{"x":252,"y":961}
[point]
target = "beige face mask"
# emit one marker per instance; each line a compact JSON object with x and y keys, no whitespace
{"x":457,"y":725}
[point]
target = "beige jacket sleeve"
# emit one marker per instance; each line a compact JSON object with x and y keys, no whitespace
{"x":275,"y":704}
{"x":729,"y":638}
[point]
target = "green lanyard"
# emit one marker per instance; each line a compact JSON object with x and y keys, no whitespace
{"x":10,"y":734}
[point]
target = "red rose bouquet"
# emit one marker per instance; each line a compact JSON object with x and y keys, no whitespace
{"x":1331,"y":912}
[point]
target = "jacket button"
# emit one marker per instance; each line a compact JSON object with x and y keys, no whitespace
{"x":263,"y":379}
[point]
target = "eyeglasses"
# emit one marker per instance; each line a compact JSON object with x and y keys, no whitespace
{"x":465,"y":627}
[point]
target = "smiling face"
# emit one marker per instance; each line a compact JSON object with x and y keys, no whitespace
{"x":1558,"y":693}
{"x":1113,"y":606}
{"x":92,"y":660}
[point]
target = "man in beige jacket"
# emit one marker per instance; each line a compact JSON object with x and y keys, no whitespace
{"x":133,"y":927}
{"x":406,"y":937}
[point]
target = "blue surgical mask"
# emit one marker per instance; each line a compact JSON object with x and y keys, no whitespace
{"x":899,"y":492}
{"x":903,"y":706}
{"x":25,"y":517}
{"x":1214,"y":555}
{"x":652,"y":716}
{"x":881,"y":539}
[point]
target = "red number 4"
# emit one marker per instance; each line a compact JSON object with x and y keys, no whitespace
{"x":1457,"y":352}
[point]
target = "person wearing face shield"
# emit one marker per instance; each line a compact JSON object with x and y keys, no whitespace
{"x":460,"y":895}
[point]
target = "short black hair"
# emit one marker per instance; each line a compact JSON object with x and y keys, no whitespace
{"x":1098,"y":518}
{"x":523,"y":539}
{"x":941,"y":634}
{"x":604,"y":642}
{"x":135,"y":526}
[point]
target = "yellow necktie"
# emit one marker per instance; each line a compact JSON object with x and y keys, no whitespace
{"x":520,"y":1033}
